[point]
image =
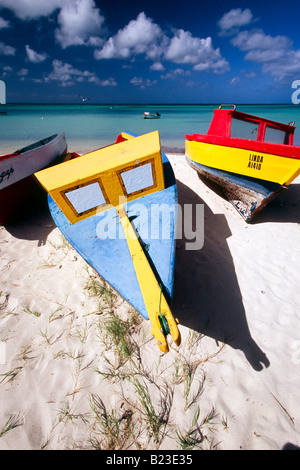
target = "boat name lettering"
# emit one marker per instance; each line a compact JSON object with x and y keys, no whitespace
{"x":255,"y":161}
{"x":6,"y":173}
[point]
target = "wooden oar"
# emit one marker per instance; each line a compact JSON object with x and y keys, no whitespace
{"x":159,"y":312}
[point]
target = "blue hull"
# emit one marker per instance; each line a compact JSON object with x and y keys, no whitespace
{"x":101,"y":241}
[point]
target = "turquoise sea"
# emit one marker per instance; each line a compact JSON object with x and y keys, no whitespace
{"x":88,"y":127}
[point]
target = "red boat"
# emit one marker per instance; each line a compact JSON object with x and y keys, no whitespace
{"x":250,"y":158}
{"x":17,"y":182}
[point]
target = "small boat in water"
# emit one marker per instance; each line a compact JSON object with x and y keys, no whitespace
{"x":17,"y":182}
{"x":117,"y":206}
{"x":250,"y":158}
{"x":147,"y":115}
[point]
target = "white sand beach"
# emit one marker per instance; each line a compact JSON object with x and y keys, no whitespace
{"x":67,"y":381}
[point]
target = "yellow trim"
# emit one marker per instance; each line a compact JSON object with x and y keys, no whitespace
{"x":127,"y":136}
{"x":140,"y":191}
{"x":72,"y":210}
{"x":151,"y":291}
{"x":259,"y":165}
{"x":104,"y":165}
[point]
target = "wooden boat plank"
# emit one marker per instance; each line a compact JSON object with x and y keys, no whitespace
{"x":248,"y":195}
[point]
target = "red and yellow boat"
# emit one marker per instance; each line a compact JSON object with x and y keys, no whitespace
{"x":250,"y":158}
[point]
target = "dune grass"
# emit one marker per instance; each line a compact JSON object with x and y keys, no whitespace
{"x":120,"y":392}
{"x":13,"y":422}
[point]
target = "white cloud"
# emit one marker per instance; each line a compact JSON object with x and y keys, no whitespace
{"x":235,"y":18}
{"x":4,"y":24}
{"x":67,"y":75}
{"x":217,"y":66}
{"x":275,"y":53}
{"x":95,"y":41}
{"x":135,"y":38}
{"x":6,"y":50}
{"x":142,"y":82}
{"x":23,"y":72}
{"x":258,"y":40}
{"x":250,"y":74}
{"x":80,"y":23}
{"x":6,"y":70}
{"x":234,"y":81}
{"x":138,"y":33}
{"x":78,"y":20}
{"x":143,"y":36}
{"x":285,"y":67}
{"x":105,"y":82}
{"x":31,"y":9}
{"x":35,"y":56}
{"x":186,"y":49}
{"x":264,"y":56}
{"x":108,"y":82}
{"x":175,"y":74}
{"x":157,"y":67}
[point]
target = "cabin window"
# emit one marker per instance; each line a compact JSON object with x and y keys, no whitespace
{"x":138,"y":179}
{"x":86,"y":197}
{"x":244,"y":129}
{"x":276,"y":136}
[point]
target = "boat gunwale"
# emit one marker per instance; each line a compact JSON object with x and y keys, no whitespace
{"x":286,"y":151}
{"x":32,"y":147}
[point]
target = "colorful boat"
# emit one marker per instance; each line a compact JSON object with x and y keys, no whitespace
{"x":117,"y":206}
{"x":17,"y":182}
{"x":147,"y":115}
{"x":250,"y":158}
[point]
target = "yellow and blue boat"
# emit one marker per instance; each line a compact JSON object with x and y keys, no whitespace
{"x":250,"y":158}
{"x":117,"y":206}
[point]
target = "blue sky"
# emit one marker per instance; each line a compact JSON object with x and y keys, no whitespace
{"x":149,"y":51}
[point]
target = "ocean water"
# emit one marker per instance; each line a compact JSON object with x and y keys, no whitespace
{"x":89,"y":127}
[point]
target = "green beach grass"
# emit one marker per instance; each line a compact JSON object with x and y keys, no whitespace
{"x":120,"y":392}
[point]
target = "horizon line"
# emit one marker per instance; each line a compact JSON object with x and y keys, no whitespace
{"x":145,"y":104}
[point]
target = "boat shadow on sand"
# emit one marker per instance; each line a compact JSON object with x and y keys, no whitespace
{"x":34,"y":221}
{"x":284,"y":208}
{"x":207,"y":297}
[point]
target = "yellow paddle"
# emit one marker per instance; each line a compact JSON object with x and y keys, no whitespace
{"x":159,"y":312}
